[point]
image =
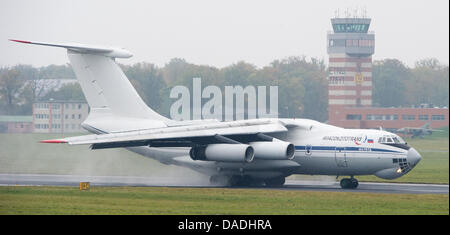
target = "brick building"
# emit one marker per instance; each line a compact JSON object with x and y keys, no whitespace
{"x":16,"y":124}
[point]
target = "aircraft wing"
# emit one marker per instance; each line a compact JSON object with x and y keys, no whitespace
{"x":182,"y":136}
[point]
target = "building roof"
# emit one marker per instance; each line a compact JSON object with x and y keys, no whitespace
{"x":7,"y":118}
{"x":61,"y":101}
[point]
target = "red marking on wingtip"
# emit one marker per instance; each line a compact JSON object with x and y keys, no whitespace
{"x":53,"y":141}
{"x":14,"y":40}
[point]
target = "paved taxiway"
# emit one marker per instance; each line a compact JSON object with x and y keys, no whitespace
{"x":74,"y":180}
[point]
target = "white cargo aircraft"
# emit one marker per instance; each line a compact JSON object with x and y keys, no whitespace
{"x":244,"y":152}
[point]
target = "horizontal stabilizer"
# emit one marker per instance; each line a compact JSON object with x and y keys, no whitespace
{"x":85,"y":49}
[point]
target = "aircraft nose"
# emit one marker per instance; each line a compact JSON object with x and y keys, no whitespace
{"x":413,"y":157}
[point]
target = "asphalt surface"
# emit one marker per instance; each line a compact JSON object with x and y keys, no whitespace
{"x":300,"y":185}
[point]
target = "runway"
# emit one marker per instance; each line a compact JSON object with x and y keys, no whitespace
{"x":299,"y":185}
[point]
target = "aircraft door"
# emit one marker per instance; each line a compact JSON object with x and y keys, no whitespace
{"x":340,"y":155}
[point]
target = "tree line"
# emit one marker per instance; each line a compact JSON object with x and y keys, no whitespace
{"x":302,"y":84}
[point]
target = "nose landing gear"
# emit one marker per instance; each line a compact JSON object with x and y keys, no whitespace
{"x":349,"y":183}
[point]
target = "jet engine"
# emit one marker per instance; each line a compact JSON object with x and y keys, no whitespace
{"x":275,"y":150}
{"x":223,"y":153}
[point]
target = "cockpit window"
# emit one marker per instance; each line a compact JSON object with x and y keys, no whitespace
{"x":401,"y":140}
{"x":390,"y":139}
{"x":393,"y":140}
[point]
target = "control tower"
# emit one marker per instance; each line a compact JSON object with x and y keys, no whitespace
{"x":350,"y":47}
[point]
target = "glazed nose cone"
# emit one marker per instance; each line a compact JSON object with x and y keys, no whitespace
{"x":413,"y":157}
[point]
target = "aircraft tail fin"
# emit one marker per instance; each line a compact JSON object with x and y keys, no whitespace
{"x":104,"y":84}
{"x":426,"y":126}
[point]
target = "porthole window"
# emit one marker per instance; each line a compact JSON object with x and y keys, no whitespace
{"x":308,"y":149}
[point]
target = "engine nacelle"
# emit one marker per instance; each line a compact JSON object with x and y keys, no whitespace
{"x":223,"y":153}
{"x":275,"y":150}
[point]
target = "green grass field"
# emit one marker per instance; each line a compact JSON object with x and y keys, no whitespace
{"x":147,"y":200}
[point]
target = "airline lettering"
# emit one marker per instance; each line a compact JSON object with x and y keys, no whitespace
{"x":342,"y":138}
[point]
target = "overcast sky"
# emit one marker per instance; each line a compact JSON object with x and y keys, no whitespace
{"x":217,"y":33}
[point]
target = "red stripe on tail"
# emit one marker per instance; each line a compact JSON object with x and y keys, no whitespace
{"x":19,"y":41}
{"x":53,"y":141}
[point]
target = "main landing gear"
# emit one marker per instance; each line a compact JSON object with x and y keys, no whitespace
{"x":275,"y":182}
{"x":349,"y":183}
{"x":245,"y":181}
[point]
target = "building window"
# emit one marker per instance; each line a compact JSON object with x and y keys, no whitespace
{"x":375,"y":117}
{"x":79,"y":116}
{"x":73,"y":116}
{"x":79,"y":106}
{"x":336,"y":80}
{"x":337,"y":42}
{"x":423,"y":117}
{"x":408,"y":117}
{"x":354,"y":117}
{"x":349,"y":43}
{"x":390,"y":117}
{"x":437,"y":117}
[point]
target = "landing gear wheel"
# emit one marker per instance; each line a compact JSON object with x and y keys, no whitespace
{"x":275,"y":182}
{"x":349,"y":183}
{"x":235,"y":181}
{"x":354,"y":182}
